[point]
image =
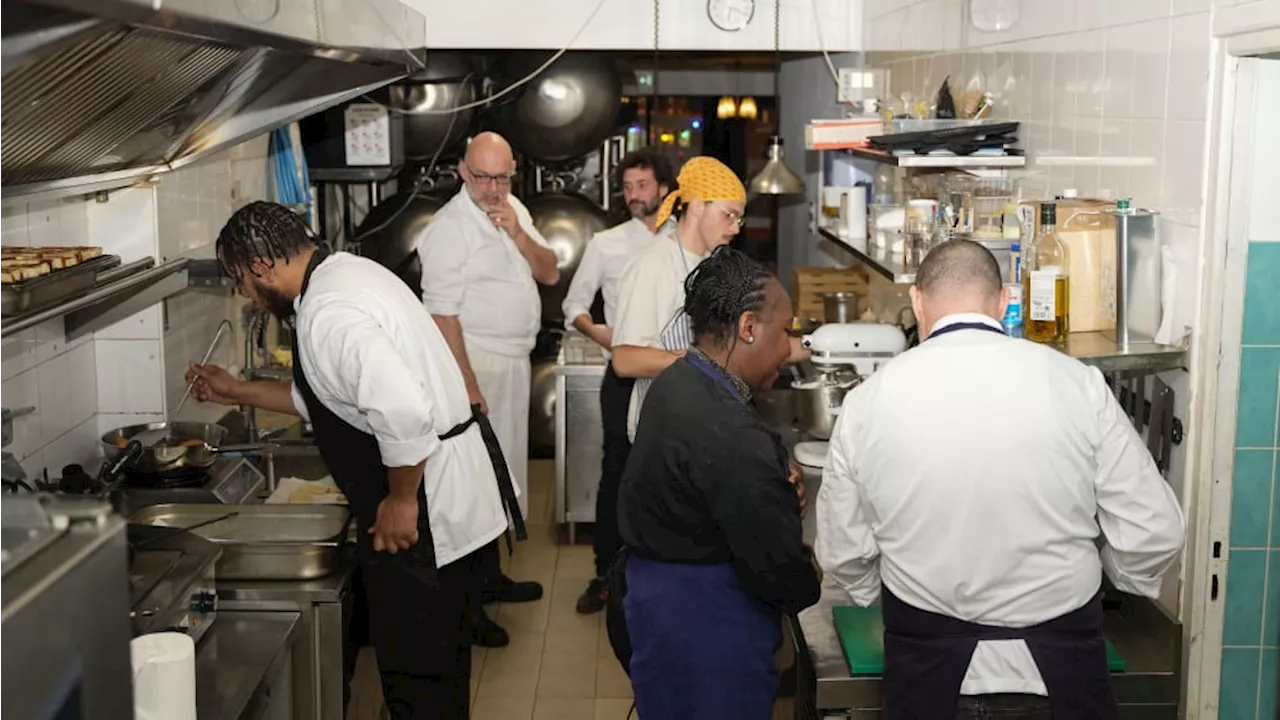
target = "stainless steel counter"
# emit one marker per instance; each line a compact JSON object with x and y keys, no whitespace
{"x":579,"y":371}
{"x":1147,"y":690}
{"x":243,"y":666}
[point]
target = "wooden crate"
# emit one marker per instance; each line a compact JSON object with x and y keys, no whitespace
{"x":808,"y":284}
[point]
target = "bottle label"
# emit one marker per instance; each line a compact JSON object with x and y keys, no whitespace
{"x":1042,"y":303}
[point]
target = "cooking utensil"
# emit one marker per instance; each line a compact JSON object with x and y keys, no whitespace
{"x":262,"y":542}
{"x":818,"y":401}
{"x":195,"y":440}
{"x":840,"y":307}
{"x":223,"y":326}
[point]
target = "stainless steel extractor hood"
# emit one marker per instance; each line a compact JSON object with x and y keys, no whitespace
{"x":101,"y":93}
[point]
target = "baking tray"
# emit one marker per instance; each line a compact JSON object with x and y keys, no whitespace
{"x":38,"y":293}
{"x":262,"y":542}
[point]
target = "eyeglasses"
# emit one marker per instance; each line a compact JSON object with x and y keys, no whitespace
{"x":734,"y":216}
{"x":486,"y":179}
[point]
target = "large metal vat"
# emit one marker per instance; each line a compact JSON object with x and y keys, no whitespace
{"x":402,"y":220}
{"x":563,"y":113}
{"x":567,"y":222}
{"x":449,"y":81}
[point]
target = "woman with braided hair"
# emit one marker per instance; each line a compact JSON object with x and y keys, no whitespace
{"x":708,"y":512}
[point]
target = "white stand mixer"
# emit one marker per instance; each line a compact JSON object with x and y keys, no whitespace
{"x":864,"y":346}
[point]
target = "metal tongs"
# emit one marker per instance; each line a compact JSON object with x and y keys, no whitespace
{"x":222,"y":327}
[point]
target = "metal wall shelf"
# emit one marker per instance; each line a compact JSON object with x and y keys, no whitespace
{"x":939,"y":161}
{"x":119,"y":293}
{"x":890,"y":265}
{"x":1090,"y":348}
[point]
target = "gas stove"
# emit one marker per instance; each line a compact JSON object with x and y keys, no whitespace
{"x":231,"y":481}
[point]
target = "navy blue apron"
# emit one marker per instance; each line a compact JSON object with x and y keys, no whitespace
{"x":926,"y":655}
{"x":700,"y":646}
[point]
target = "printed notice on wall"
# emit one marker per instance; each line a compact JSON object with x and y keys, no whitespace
{"x":368,"y":134}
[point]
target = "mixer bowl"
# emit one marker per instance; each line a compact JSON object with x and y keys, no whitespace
{"x":818,"y":402}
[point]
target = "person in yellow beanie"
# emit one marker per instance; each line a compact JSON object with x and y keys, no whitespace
{"x":651,"y":329}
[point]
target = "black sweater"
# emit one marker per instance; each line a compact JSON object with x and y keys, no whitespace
{"x":706,"y":483}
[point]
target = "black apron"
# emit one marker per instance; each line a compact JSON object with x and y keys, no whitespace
{"x":926,"y":655}
{"x":355,"y":462}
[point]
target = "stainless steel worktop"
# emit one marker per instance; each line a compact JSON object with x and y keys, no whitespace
{"x":243,"y":657}
{"x":1148,"y":640}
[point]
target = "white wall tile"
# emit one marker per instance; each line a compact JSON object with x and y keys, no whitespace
{"x":1189,"y":44}
{"x":53,"y":377}
{"x":22,"y":391}
{"x":17,"y":353}
{"x":79,"y":446}
{"x":1150,"y":43}
{"x":1265,"y":188}
{"x":112,"y":421}
{"x":130,"y":376}
{"x":82,"y":370}
{"x":142,"y":325}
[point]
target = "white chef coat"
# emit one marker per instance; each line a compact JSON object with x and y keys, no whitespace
{"x":601,"y":268}
{"x":375,"y":358}
{"x":471,"y":269}
{"x":973,"y":474}
{"x":650,"y":292}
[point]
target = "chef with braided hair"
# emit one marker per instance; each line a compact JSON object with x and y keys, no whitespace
{"x":707,"y":510}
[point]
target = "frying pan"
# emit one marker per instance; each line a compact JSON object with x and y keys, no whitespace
{"x":173,"y":448}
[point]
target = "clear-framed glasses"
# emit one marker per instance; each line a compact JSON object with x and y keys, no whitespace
{"x":734,"y":216}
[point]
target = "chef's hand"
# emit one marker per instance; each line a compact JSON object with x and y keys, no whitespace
{"x":475,"y":397}
{"x":396,"y":528}
{"x":212,"y":384}
{"x":796,"y":478}
{"x":504,"y":218}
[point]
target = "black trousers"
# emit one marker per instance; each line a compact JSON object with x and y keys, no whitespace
{"x":419,"y":633}
{"x":615,"y":398}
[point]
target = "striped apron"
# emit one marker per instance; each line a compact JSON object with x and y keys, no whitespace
{"x":676,"y":335}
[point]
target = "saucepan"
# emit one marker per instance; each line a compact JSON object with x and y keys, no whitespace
{"x":173,"y":446}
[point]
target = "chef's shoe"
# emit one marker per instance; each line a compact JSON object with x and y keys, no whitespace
{"x":487,"y":633}
{"x":507,"y":590}
{"x":594,"y":598}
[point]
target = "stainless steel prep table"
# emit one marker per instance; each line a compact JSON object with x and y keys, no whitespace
{"x":1148,"y":640}
{"x":323,"y":607}
{"x":579,"y":371}
{"x":243,"y":667}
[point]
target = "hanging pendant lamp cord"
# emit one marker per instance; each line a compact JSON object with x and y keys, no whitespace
{"x":653,"y":91}
{"x":777,"y":67}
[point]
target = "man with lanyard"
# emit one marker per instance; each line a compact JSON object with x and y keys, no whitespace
{"x":417,"y":462}
{"x":652,"y":330}
{"x":990,"y":568}
{"x":482,"y":259}
{"x":645,"y":176}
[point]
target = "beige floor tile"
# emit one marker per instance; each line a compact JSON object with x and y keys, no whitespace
{"x":611,"y":680}
{"x":576,"y":562}
{"x":614,"y":710}
{"x":512,"y":671}
{"x":577,"y":642}
{"x":567,"y":675}
{"x":524,"y":617}
{"x":551,"y":708}
{"x":496,"y":708}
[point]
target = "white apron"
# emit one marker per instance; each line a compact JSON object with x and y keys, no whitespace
{"x":504,"y":381}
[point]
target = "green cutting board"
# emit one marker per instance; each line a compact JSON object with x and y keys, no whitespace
{"x":861,"y":633}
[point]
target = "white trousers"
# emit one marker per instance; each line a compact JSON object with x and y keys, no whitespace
{"x":504,"y":381}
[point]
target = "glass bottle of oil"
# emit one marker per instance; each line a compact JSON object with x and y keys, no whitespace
{"x":1046,"y":284}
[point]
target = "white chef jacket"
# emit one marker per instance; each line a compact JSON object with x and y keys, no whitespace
{"x":601,"y":268}
{"x":375,"y":358}
{"x":471,"y":269}
{"x":650,"y":292}
{"x":973,"y":473}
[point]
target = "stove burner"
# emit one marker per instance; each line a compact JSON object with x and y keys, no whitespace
{"x":166,"y":481}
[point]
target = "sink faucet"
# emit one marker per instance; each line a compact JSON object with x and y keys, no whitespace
{"x":254,"y":321}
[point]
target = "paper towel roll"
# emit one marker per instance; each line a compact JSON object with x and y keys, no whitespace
{"x":164,"y":676}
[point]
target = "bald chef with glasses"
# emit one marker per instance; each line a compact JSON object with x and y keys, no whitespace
{"x":482,"y":260}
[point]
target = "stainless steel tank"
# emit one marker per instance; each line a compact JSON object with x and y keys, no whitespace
{"x":542,"y":409}
{"x":443,"y":84}
{"x":563,"y":113}
{"x":402,"y":220}
{"x":567,"y":222}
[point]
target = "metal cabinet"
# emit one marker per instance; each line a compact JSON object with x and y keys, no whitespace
{"x":579,"y":436}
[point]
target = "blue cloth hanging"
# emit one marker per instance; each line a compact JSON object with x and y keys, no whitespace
{"x":292,"y":181}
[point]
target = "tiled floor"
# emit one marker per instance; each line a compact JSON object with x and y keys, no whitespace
{"x":559,"y":665}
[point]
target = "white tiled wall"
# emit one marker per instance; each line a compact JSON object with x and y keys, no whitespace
{"x":40,"y":369}
{"x":1112,"y":97}
{"x":193,"y":205}
{"x":131,"y":372}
